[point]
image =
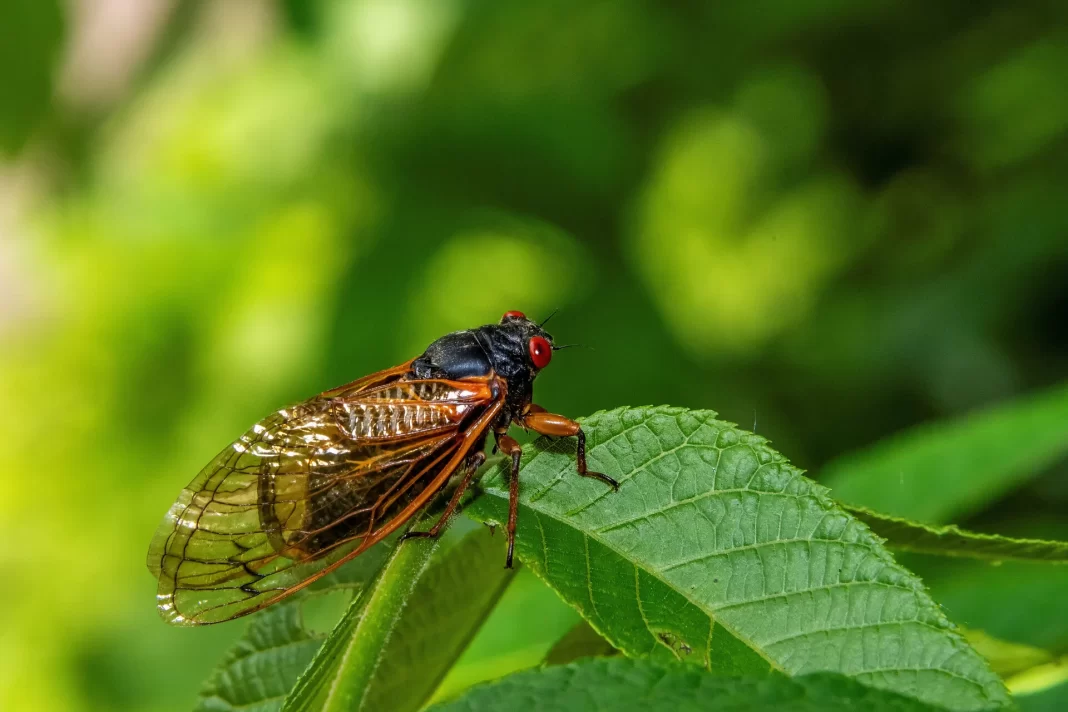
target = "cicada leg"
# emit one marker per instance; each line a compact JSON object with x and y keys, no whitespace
{"x":471,"y":465}
{"x":508,"y":445}
{"x":545,"y":423}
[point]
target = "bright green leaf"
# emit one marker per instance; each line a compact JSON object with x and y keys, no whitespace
{"x":717,"y":551}
{"x":953,"y":541}
{"x":620,"y":685}
{"x":1048,"y":676}
{"x":942,"y":471}
{"x":1006,"y":658}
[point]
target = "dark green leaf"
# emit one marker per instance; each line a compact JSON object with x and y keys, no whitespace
{"x":1007,"y":659}
{"x":520,"y":631}
{"x":1018,"y":600}
{"x":953,"y":541}
{"x":280,"y":642}
{"x":341,"y":672}
{"x":1055,"y":699}
{"x":620,"y":685}
{"x":940,"y":472}
{"x":716,"y":550}
{"x":582,"y":641}
{"x":394,"y":646}
{"x":446,"y":609}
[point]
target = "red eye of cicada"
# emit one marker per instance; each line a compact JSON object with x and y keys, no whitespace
{"x":541,"y":353}
{"x":514,"y":315}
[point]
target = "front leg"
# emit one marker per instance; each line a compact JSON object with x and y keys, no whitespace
{"x":545,"y":423}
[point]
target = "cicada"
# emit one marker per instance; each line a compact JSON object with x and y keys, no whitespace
{"x":314,"y":485}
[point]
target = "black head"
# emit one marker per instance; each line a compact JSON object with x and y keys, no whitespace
{"x":516,"y":349}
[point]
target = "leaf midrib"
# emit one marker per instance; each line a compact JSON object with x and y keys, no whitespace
{"x":589,"y":581}
{"x":378,"y":593}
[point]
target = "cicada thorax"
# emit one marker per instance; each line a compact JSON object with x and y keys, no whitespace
{"x":410,"y":408}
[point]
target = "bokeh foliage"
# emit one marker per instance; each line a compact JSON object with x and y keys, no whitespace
{"x":830,"y":220}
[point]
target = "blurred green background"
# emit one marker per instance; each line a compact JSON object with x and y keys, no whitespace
{"x":826,"y":220}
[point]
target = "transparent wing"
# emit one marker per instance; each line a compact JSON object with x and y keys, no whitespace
{"x":307,"y":488}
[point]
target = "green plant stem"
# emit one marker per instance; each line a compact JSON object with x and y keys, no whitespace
{"x":376,"y":623}
{"x":369,"y":622}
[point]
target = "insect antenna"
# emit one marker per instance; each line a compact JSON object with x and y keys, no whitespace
{"x":546,"y":319}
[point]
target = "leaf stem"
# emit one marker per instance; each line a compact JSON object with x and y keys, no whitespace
{"x":352,"y":652}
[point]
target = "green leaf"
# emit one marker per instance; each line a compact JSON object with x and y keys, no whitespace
{"x":953,"y":541}
{"x":446,"y":610}
{"x":1029,"y":672}
{"x":717,"y":547}
{"x":520,"y":631}
{"x":1006,"y":658}
{"x":395,"y":644}
{"x":345,"y":665}
{"x":620,"y":685}
{"x":943,"y":471}
{"x":280,"y":641}
{"x":1040,"y":678}
{"x":1018,"y":600}
{"x":1054,"y":699}
{"x":582,"y":641}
